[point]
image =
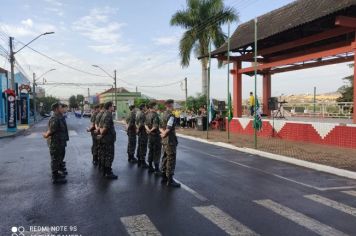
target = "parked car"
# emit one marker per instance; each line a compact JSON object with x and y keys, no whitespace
{"x":87,"y":114}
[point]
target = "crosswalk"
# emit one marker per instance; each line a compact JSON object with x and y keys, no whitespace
{"x":142,"y":225}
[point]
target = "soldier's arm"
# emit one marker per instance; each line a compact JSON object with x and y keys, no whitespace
{"x":170,"y":124}
{"x":52,"y":127}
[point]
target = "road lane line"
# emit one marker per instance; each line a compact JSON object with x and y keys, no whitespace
{"x":193,"y":192}
{"x":333,"y":204}
{"x":224,"y":221}
{"x":351,"y":192}
{"x":139,"y":225}
{"x":259,"y":170}
{"x":300,"y":219}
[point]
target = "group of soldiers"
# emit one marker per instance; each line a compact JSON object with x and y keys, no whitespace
{"x":153,"y":133}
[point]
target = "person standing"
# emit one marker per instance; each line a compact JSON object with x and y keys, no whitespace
{"x":154,"y":138}
{"x":91,"y":129}
{"x":97,"y":132}
{"x":107,"y":137}
{"x":131,"y":134}
{"x":252,"y":104}
{"x":142,"y":136}
{"x":64,"y":109}
{"x":57,"y":140}
{"x":170,"y":142}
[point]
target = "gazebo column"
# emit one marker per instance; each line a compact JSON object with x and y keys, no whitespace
{"x":354,"y":49}
{"x":266,"y":92}
{"x":237,"y":90}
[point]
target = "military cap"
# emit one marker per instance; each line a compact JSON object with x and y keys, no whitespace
{"x":108,"y":105}
{"x":142,"y":106}
{"x":169,"y":101}
{"x":131,"y":107}
{"x":152,"y":104}
{"x":55,"y":106}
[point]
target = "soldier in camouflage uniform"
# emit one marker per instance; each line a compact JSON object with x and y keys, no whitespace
{"x":107,"y":137}
{"x":154,"y":139}
{"x":96,"y":132}
{"x":63,"y":168}
{"x":57,"y":141}
{"x":142,"y":136}
{"x":170,"y":142}
{"x":91,"y":129}
{"x":131,"y":134}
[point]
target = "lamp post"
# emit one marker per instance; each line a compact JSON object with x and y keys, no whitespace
{"x":34,"y":92}
{"x":12,"y":63}
{"x":115,"y":85}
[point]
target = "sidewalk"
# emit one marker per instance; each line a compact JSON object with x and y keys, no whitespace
{"x":342,"y":158}
{"x":20,"y":130}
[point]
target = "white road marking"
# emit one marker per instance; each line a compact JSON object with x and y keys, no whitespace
{"x":333,"y":204}
{"x":33,"y":135}
{"x":224,"y":221}
{"x":351,"y":192}
{"x":300,"y":219}
{"x":269,"y":173}
{"x":139,"y":225}
{"x":195,"y":194}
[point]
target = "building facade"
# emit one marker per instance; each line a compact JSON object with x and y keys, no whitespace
{"x":125,"y":98}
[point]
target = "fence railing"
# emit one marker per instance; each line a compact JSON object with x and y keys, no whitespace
{"x":317,"y":110}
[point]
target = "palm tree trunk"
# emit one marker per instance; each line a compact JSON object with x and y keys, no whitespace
{"x":204,"y":82}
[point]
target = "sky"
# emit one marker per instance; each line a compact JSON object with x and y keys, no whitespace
{"x":135,"y":38}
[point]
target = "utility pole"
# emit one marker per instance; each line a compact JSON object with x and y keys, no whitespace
{"x":34,"y":97}
{"x":116,"y":110}
{"x":186,"y":93}
{"x":12,"y":62}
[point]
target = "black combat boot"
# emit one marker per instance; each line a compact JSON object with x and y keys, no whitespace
{"x":58,"y":178}
{"x":95,"y":161}
{"x":109,"y":174}
{"x":157,"y":171}
{"x":164,"y":179}
{"x":144,"y":164}
{"x":172,"y":183}
{"x":132,"y":159}
{"x":150,"y":167}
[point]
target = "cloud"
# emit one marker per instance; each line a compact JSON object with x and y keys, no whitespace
{"x":27,"y":28}
{"x":54,"y":2}
{"x":166,"y":41}
{"x":98,"y":28}
{"x":27,"y":22}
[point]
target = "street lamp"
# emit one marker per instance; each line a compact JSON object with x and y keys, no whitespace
{"x":113,"y":77}
{"x":34,"y":91}
{"x":12,"y":56}
{"x":12,"y":64}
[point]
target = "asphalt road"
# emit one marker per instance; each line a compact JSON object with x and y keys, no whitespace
{"x":224,"y":192}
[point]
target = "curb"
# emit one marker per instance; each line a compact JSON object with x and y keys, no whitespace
{"x":290,"y":160}
{"x":15,"y":134}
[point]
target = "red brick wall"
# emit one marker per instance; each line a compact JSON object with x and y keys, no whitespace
{"x":312,"y":132}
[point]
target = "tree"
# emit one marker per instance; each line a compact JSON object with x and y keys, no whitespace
{"x":46,"y":103}
{"x":347,"y":90}
{"x":202,"y":21}
{"x":139,"y":101}
{"x":80,"y":99}
{"x":194,"y":103}
{"x":73,"y":104}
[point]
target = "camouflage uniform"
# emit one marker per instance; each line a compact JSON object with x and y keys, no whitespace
{"x":57,"y":141}
{"x":108,"y":139}
{"x":63,"y":163}
{"x":131,"y":133}
{"x":94,"y":147}
{"x":154,"y":138}
{"x":142,"y":136}
{"x":169,"y":143}
{"x":98,"y":141}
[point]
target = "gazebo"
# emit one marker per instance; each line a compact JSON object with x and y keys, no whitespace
{"x":303,"y":34}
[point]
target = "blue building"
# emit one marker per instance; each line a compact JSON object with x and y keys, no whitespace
{"x":5,"y":84}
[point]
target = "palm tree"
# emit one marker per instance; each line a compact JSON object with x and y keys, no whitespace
{"x":202,"y":20}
